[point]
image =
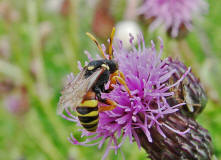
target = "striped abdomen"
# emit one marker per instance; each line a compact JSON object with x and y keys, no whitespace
{"x":87,"y":112}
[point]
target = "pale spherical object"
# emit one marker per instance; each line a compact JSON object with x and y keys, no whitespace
{"x":126,"y":28}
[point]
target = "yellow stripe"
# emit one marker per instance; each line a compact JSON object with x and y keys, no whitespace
{"x":93,"y":113}
{"x":89,"y":103}
{"x":93,"y":122}
{"x":90,"y":68}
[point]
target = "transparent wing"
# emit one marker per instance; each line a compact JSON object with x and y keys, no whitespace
{"x":75,"y":89}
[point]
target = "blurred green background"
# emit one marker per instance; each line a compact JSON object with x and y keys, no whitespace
{"x":41,"y":42}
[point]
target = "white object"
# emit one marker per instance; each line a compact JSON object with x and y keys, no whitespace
{"x":123,"y":31}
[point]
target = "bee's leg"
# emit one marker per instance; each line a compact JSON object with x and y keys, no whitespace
{"x":104,"y":90}
{"x":111,"y":105}
{"x":118,"y":74}
{"x":197,"y":105}
{"x":120,"y":80}
{"x":191,"y":106}
{"x":97,"y":91}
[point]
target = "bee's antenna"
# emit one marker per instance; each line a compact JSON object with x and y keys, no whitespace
{"x":110,"y":49}
{"x":96,"y":42}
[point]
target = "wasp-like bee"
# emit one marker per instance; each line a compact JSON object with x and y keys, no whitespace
{"x":84,"y":92}
{"x":189,"y":91}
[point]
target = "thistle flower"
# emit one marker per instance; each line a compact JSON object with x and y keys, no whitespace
{"x":146,"y":75}
{"x":175,"y":15}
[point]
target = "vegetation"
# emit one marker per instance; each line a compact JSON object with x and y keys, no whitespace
{"x":39,"y":46}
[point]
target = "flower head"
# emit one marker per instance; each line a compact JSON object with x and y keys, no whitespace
{"x":146,"y":75}
{"x":173,"y":14}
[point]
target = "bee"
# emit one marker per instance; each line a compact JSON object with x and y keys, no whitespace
{"x":84,"y":92}
{"x":189,"y":91}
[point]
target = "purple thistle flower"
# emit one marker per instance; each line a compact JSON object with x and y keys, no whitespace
{"x":173,"y":14}
{"x":146,"y":75}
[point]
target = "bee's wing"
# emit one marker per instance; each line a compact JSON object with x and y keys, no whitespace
{"x":74,"y":90}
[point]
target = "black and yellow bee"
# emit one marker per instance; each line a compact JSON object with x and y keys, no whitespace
{"x":84,"y":92}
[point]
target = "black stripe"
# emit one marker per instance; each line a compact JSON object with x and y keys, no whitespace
{"x":91,"y":130}
{"x":85,"y":110}
{"x":89,"y":126}
{"x":87,"y":119}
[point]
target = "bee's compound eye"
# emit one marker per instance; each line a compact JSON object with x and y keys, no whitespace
{"x":90,"y":68}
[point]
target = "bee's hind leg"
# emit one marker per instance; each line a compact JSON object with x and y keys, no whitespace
{"x":111,"y":105}
{"x":116,"y":77}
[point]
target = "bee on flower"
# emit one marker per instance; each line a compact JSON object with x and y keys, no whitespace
{"x":139,"y":106}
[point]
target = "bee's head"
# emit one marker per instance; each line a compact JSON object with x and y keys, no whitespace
{"x":113,"y":65}
{"x":110,"y":64}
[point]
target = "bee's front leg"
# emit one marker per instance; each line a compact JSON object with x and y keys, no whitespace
{"x":118,"y":77}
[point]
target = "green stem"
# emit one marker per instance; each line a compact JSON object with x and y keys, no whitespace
{"x":21,"y":77}
{"x":43,"y":91}
{"x":71,"y":43}
{"x":37,"y":134}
